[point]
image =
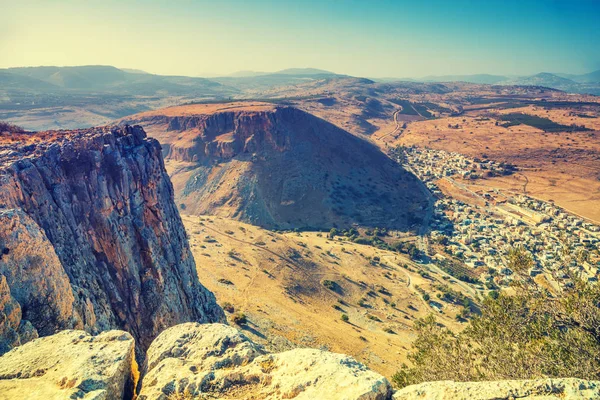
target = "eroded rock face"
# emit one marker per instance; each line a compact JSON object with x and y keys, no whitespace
{"x":538,"y":389}
{"x":220,"y":362}
{"x":90,"y":236}
{"x":70,"y":365}
{"x":280,"y":167}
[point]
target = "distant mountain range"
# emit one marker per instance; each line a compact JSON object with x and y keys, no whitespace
{"x":101,"y":78}
{"x":288,"y":71}
{"x":108,"y":79}
{"x":585,"y":83}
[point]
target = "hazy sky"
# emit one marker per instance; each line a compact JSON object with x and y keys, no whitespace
{"x":365,"y":38}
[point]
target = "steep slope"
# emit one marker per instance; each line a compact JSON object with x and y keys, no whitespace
{"x":91,"y":238}
{"x":278,"y":280}
{"x":277,"y":166}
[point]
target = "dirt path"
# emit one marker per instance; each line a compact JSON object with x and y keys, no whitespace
{"x":396,"y":129}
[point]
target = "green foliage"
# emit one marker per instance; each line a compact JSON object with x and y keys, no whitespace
{"x":331,"y":285}
{"x":544,"y":124}
{"x":525,"y":335}
{"x":240,"y":318}
{"x":345,"y":318}
{"x":227,"y":306}
{"x":332,"y":233}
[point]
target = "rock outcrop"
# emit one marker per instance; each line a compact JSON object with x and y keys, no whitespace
{"x":219,"y":362}
{"x":537,"y":389}
{"x":70,"y":365}
{"x":215,"y":361}
{"x":280,"y":167}
{"x":90,"y":238}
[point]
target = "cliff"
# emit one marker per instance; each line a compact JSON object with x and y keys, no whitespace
{"x":280,"y":167}
{"x":90,"y":238}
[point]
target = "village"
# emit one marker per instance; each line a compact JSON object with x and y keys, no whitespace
{"x":480,"y":234}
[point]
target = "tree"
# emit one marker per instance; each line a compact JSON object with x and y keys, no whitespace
{"x":529,"y":334}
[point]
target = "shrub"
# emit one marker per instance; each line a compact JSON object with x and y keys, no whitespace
{"x":544,"y":335}
{"x":240,"y":318}
{"x":345,"y":318}
{"x":227,"y":306}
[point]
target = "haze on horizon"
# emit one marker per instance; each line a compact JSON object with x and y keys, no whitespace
{"x":381,"y":38}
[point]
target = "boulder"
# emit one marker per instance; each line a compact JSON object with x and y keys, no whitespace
{"x":220,"y":362}
{"x":538,"y":389}
{"x":70,"y":365}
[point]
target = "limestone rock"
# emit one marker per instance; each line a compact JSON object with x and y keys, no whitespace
{"x":90,"y":236}
{"x":218,"y":361}
{"x":34,"y":277}
{"x":70,"y":365}
{"x":538,"y":389}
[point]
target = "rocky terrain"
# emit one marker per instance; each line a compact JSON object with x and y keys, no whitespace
{"x":539,"y":389}
{"x":280,"y":167}
{"x":201,"y":361}
{"x":71,"y":365}
{"x":90,"y":238}
{"x":294,"y":288}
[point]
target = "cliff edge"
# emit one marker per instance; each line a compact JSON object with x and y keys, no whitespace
{"x":90,"y":238}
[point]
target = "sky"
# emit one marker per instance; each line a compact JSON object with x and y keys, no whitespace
{"x":372,"y":38}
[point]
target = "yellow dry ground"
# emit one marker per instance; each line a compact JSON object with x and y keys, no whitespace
{"x":560,"y":167}
{"x":277,"y":281}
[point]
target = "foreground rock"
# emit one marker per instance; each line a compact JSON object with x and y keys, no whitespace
{"x":539,"y":389}
{"x":90,"y":238}
{"x":70,"y":365}
{"x":219,"y":362}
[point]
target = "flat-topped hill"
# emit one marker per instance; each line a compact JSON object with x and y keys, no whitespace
{"x":278,"y":166}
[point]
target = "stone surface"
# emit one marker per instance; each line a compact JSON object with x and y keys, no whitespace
{"x":538,"y":389}
{"x":70,"y":365}
{"x":219,"y":362}
{"x":90,"y":236}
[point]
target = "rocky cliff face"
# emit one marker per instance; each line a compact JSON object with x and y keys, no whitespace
{"x":90,"y":237}
{"x":280,"y":167}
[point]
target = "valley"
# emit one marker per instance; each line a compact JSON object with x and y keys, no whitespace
{"x":331,"y":213}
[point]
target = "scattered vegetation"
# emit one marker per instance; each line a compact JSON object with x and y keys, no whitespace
{"x":227,"y":306}
{"x":10,"y":128}
{"x":239,"y":318}
{"x":529,"y":334}
{"x":544,"y":124}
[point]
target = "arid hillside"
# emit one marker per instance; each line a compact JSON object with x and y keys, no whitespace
{"x":279,"y":167}
{"x":294,"y":289}
{"x":556,"y":149}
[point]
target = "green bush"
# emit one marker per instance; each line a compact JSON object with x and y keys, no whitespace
{"x":528,"y":334}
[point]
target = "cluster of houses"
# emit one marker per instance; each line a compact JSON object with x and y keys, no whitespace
{"x":480,"y":237}
{"x":431,"y":164}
